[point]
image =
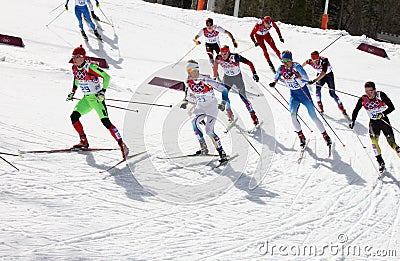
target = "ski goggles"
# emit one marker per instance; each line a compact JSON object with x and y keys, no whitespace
{"x":77,"y":56}
{"x":192,"y":70}
{"x":286,"y":60}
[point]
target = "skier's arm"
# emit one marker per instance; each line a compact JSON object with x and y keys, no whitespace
{"x":356,"y":110}
{"x":300,"y":73}
{"x":253,"y":32}
{"x":201,"y":33}
{"x":277,"y":29}
{"x":100,"y":73}
{"x":249,"y":63}
{"x":305,"y":63}
{"x":388,"y":102}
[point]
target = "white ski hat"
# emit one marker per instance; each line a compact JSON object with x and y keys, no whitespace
{"x":192,"y":65}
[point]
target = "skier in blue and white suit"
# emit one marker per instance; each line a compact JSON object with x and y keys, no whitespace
{"x":81,"y":7}
{"x":296,"y":80}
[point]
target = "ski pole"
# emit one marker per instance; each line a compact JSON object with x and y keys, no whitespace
{"x":191,"y":49}
{"x":47,"y":25}
{"x":247,"y":139}
{"x":144,"y":103}
{"x":108,"y":105}
{"x":56,"y":7}
{"x":101,"y":10}
{"x":276,"y":98}
{"x":341,"y":34}
{"x":387,"y":123}
{"x":9,"y":163}
{"x":327,"y":87}
{"x":322,"y":116}
{"x":122,"y":108}
{"x":251,"y":47}
{"x":10,"y":154}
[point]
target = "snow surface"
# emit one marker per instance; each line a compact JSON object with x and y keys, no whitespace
{"x":59,"y":207}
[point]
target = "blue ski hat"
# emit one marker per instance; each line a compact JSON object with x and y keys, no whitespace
{"x":286,"y":55}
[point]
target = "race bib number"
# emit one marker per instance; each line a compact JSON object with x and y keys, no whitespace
{"x":85,"y":88}
{"x":293,"y":85}
{"x":81,"y":2}
{"x":201,"y":98}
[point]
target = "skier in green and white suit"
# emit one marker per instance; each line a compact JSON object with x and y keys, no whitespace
{"x":86,"y":76}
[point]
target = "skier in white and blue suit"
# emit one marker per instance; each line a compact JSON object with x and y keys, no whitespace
{"x":296,"y":80}
{"x":81,"y":7}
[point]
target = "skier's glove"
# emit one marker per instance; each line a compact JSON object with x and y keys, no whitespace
{"x":351,"y":125}
{"x":255,"y":77}
{"x":97,"y":4}
{"x":184,"y":104}
{"x":272,"y":84}
{"x":235,"y":44}
{"x":197,"y":42}
{"x":281,"y":39}
{"x":66,"y":7}
{"x":221,"y":106}
{"x":256,"y":44}
{"x":100,"y":96}
{"x":380,"y":116}
{"x":70,"y":96}
{"x":311,"y":82}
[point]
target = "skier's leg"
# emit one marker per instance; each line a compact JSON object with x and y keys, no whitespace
{"x":294,"y":105}
{"x":271,"y":43}
{"x":85,"y":12}
{"x":81,"y":108}
{"x":199,"y":134}
{"x":388,"y":132}
{"x":78,"y":13}
{"x":210,"y":122}
{"x":260,"y":40}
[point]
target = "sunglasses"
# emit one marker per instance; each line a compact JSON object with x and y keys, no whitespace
{"x":209,"y":24}
{"x":76,"y":56}
{"x":286,"y":60}
{"x":370,"y":91}
{"x":191,"y":70}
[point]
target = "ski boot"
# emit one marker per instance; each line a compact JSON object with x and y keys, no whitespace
{"x":230,"y":115}
{"x":327,"y":138}
{"x":254,"y":118}
{"x":320,"y":107}
{"x":381,"y":163}
{"x":94,"y":16}
{"x":124,"y":148}
{"x":83,"y":144}
{"x":84,"y":36}
{"x":271,"y":66}
{"x":222,"y":155}
{"x":97,"y":35}
{"x":302,"y":139}
{"x":203,"y":148}
{"x":342,"y":109}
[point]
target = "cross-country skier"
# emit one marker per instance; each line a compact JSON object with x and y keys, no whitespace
{"x":260,"y":33}
{"x":296,"y":80}
{"x":81,"y":8}
{"x":230,"y":62}
{"x":324,"y":75}
{"x":378,"y":106}
{"x":86,"y":77}
{"x":202,"y":87}
{"x":211,"y":35}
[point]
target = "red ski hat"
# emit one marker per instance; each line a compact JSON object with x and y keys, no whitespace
{"x":267,"y":19}
{"x":79,"y":51}
{"x":315,"y":55}
{"x":224,"y":49}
